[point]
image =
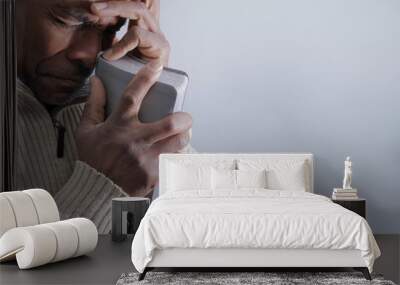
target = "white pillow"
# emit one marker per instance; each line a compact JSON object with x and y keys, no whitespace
{"x":237,"y":179}
{"x":223,"y":179}
{"x":200,"y":160}
{"x":251,"y":178}
{"x":282,"y":174}
{"x":187,"y":177}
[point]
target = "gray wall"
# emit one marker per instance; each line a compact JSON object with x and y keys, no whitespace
{"x":298,"y":76}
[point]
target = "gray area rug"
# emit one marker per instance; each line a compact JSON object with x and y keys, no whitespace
{"x":273,"y":278}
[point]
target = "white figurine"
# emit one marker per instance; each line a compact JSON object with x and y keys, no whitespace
{"x":347,"y":174}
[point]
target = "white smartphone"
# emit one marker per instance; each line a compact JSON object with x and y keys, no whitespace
{"x":166,"y":96}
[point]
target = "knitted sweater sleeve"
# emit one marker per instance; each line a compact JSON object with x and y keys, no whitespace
{"x":88,"y":193}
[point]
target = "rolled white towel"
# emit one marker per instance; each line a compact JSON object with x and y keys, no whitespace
{"x":45,"y":206}
{"x":23,"y":208}
{"x":87,"y":235}
{"x":26,"y":208}
{"x":32,"y":246}
{"x":40,"y":244}
{"x":7,"y":218}
{"x":67,"y":238}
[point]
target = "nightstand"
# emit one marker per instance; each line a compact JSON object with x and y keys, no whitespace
{"x":127,"y":212}
{"x":358,"y":206}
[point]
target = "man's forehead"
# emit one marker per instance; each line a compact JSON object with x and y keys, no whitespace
{"x":84,"y":5}
{"x":73,"y":4}
{"x":78,"y":3}
{"x":80,"y":9}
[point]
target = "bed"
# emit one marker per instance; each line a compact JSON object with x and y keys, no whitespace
{"x":247,"y":211}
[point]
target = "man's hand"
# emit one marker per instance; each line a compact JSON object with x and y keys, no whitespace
{"x":122,"y":147}
{"x":143,"y":34}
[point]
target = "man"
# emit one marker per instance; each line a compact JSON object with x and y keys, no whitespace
{"x":71,"y":149}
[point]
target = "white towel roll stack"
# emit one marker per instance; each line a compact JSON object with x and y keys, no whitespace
{"x":31,"y":231}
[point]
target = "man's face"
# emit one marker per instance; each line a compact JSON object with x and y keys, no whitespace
{"x":58,"y":41}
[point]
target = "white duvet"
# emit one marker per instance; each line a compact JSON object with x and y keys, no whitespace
{"x":250,"y":219}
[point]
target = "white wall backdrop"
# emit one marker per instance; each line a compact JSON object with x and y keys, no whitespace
{"x":298,"y":76}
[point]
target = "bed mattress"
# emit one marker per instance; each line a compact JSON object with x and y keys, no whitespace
{"x":250,"y":219}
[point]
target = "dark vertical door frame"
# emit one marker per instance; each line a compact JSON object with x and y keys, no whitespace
{"x":8,"y":100}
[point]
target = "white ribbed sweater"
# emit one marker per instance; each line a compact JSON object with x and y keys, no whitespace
{"x":78,"y":189}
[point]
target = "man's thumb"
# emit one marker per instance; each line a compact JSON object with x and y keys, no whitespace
{"x":93,"y":113}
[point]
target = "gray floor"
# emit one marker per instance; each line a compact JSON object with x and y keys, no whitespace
{"x":103,"y":266}
{"x":110,"y":260}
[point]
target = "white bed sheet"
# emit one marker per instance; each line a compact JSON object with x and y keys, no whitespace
{"x":250,"y":218}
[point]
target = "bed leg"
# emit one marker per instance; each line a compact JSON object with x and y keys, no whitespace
{"x":142,"y":275}
{"x":364,"y":271}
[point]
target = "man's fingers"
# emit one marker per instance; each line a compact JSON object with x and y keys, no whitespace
{"x":128,"y":42}
{"x":169,"y":126}
{"x":172,"y":144}
{"x":126,"y":9}
{"x":93,"y":113}
{"x":152,"y":45}
{"x":137,"y":88}
{"x":154,"y":7}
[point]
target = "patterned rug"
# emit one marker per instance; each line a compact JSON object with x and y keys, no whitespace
{"x":269,"y":278}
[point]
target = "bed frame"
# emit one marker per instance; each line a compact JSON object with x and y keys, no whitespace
{"x":245,"y":259}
